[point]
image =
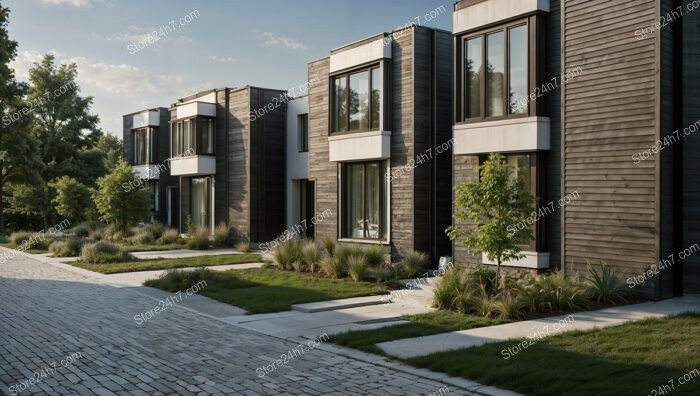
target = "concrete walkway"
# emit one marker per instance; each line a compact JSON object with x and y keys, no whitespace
{"x":412,"y":347}
{"x":157,"y":254}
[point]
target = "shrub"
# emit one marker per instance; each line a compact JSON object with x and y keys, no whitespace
{"x":448,"y":288}
{"x":199,"y":238}
{"x":103,"y":252}
{"x":85,"y":228}
{"x":357,"y":267}
{"x":387,"y":272}
{"x":178,"y":279}
{"x":375,"y":256}
{"x":222,"y":235}
{"x":332,"y":266}
{"x":243,"y":246}
{"x":18,"y":237}
{"x":485,"y":276}
{"x":414,"y":263}
{"x":510,"y":306}
{"x":298,"y":266}
{"x":343,"y":253}
{"x":562,"y":293}
{"x":288,"y":252}
{"x":604,"y":287}
{"x":484,"y":304}
{"x":70,"y":247}
{"x":169,"y":236}
{"x":329,"y":246}
{"x":312,"y":256}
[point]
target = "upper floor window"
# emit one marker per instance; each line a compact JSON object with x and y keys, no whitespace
{"x":303,"y":125}
{"x":193,"y":136}
{"x":356,"y":101}
{"x":145,"y":146}
{"x":495,"y":72}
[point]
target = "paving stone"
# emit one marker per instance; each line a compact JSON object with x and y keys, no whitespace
{"x":47,"y":313}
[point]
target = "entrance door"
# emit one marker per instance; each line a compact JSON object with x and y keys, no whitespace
{"x":171,"y":206}
{"x":307,"y":206}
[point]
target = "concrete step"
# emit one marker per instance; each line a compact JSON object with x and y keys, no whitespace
{"x":345,"y":303}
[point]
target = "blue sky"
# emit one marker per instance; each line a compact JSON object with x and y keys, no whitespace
{"x":221,"y":43}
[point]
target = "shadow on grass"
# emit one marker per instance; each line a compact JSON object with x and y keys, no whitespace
{"x":633,"y":359}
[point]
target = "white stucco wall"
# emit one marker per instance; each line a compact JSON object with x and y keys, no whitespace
{"x":297,"y":163}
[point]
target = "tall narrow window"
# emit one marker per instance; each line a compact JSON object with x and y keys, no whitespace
{"x":140,"y":146}
{"x":495,"y":69}
{"x":356,"y":101}
{"x":363,"y":197}
{"x":474,"y":66}
{"x":495,"y":74}
{"x":303,"y":125}
{"x":376,"y":103}
{"x":518,"y":69}
{"x":206,"y":135}
{"x":200,"y":201}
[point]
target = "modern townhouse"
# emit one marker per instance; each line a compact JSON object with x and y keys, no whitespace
{"x":145,"y":146}
{"x":596,"y":101}
{"x":380,"y":141}
{"x":227,"y":148}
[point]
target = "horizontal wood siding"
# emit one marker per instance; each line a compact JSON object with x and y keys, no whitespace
{"x":238,"y":154}
{"x":609,"y":115}
{"x":321,"y":169}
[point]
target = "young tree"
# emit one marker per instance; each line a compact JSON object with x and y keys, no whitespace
{"x":73,"y":200}
{"x":494,"y":205}
{"x":17,"y":161}
{"x":121,"y":200}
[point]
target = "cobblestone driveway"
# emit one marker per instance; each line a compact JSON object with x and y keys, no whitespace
{"x":47,"y":314}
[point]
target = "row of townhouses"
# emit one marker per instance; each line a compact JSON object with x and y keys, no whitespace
{"x":594,"y":102}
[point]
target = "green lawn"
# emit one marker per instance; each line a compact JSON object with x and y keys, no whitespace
{"x":421,"y":325}
{"x":11,"y":245}
{"x":632,"y":359}
{"x":158,"y":264}
{"x":263,"y":290}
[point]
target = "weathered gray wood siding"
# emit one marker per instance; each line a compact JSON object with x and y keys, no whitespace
{"x":321,"y":169}
{"x":465,"y":168}
{"x":238,"y":163}
{"x":610,"y":113}
{"x":552,"y":166}
{"x":223,"y":116}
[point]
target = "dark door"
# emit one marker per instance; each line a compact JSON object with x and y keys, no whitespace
{"x":307,"y":210}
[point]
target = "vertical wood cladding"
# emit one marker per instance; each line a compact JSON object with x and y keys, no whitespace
{"x":690,"y":145}
{"x":610,"y":113}
{"x":127,"y":144}
{"x":221,"y":187}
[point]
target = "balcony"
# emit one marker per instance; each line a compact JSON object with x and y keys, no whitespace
{"x":360,"y":146}
{"x":510,"y":135}
{"x":195,"y":109}
{"x":196,"y":165}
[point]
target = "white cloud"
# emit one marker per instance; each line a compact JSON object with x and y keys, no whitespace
{"x":273,"y":40}
{"x":225,"y":59}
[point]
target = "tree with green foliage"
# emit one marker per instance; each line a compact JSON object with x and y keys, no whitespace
{"x":487,"y":210}
{"x":120,"y":200}
{"x":17,"y":159}
{"x":73,"y":200}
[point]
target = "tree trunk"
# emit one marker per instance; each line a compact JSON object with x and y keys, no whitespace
{"x":498,"y":272}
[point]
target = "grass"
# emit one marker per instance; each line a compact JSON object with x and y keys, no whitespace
{"x":634,"y":358}
{"x":264,"y":290}
{"x":159,"y":264}
{"x":11,"y":245}
{"x":421,"y":325}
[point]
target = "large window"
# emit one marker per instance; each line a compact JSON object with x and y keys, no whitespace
{"x":303,"y":125}
{"x":356,"y":101}
{"x":363,"y":198}
{"x":495,"y":72}
{"x":526,"y":165}
{"x":192,"y":136}
{"x":199,"y":204}
{"x":145,"y":146}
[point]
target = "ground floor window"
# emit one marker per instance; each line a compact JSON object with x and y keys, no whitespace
{"x":200,"y":209}
{"x":530,"y":167}
{"x":363,"y":195}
